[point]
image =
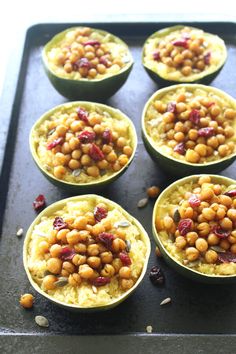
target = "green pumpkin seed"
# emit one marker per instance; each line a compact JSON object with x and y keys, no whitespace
{"x":121,"y":224}
{"x":176,"y":215}
{"x":142,"y":203}
{"x":128,"y":245}
{"x":217,"y":249}
{"x":77,"y":172}
{"x":61,"y":281}
{"x":41,"y":321}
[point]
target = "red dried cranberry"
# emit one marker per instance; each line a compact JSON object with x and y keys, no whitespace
{"x":206,"y":132}
{"x":67,"y":254}
{"x":156,"y":56}
{"x":103,"y":60}
{"x":100,"y":281}
{"x":185,"y":226}
{"x":96,"y":153}
{"x":156,"y":276}
{"x":86,"y":137}
{"x":83,"y":115}
{"x":125,"y":258}
{"x":39,"y":202}
{"x":59,"y":223}
{"x":106,"y":238}
{"x":226,"y":257}
{"x":107,"y":136}
{"x":181,"y":43}
{"x":194,"y":116}
{"x":209,"y":104}
{"x":180,"y":148}
{"x":54,"y":143}
{"x":231,"y":193}
{"x":92,"y":42}
{"x":207,"y":58}
{"x":171,"y":107}
{"x":99,"y":213}
{"x":84,"y":63}
{"x":194,"y":201}
{"x":219,"y":232}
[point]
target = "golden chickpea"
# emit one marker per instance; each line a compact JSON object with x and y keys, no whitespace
{"x":93,"y":171}
{"x":73,"y":237}
{"x":52,"y":237}
{"x":85,"y":160}
{"x":211,"y":256}
{"x":76,"y":126}
{"x":68,"y":68}
{"x":233,"y":248}
{"x":212,"y":239}
{"x":74,"y":164}
{"x":231,"y":213}
{"x":55,"y":251}
{"x":94,"y":261}
{"x":123,"y":159}
{"x":43,"y":246}
{"x":191,"y":238}
{"x":208,"y":214}
{"x":103,"y":164}
{"x":180,"y":242}
{"x":153,"y":191}
{"x":79,"y":259}
{"x":127,"y":150}
{"x":112,"y":156}
{"x":74,"y":279}
{"x":168,"y":222}
{"x":80,"y":248}
{"x":201,"y":245}
{"x":217,"y":189}
{"x":95,"y":119}
{"x":74,"y":143}
{"x":168,"y":117}
{"x":220,"y":213}
{"x":232,"y":238}
{"x":97,"y":229}
{"x":229,"y":113}
{"x":61,"y":235}
{"x":226,"y":224}
{"x":107,"y":224}
{"x":225,"y":200}
{"x":117,"y":264}
{"x":59,"y":172}
{"x":27,"y":301}
{"x":61,"y":130}
{"x":181,"y":97}
{"x":106,"y":257}
{"x":201,"y":149}
{"x":193,"y":134}
{"x":108,"y":271}
{"x":204,"y":179}
{"x":54,"y":265}
{"x":203,"y":229}
{"x":86,"y":272}
{"x":126,"y":283}
{"x":207,"y":194}
{"x":224,"y":244}
{"x":192,"y":254}
{"x":68,"y":266}
{"x":106,"y":148}
{"x":118,"y":245}
{"x":93,"y":250}
{"x":76,"y":154}
{"x":59,"y":159}
{"x":223,"y":150}
{"x":186,"y":70}
{"x":101,"y":68}
{"x":49,"y":282}
{"x":188,"y":213}
{"x":125,"y":272}
{"x":192,"y":156}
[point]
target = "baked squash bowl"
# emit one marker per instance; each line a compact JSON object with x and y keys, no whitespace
{"x":83,"y":146}
{"x":193,"y":225}
{"x":86,"y":253}
{"x":190,"y":128}
{"x":87,"y":63}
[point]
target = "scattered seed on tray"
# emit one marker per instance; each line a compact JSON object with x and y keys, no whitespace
{"x":153,"y":191}
{"x":156,"y":276}
{"x":158,"y":252}
{"x":149,"y":329}
{"x":41,"y":321}
{"x":39,"y":202}
{"x":27,"y":301}
{"x":95,"y":290}
{"x":142,"y":203}
{"x":19,"y":232}
{"x":165,"y":301}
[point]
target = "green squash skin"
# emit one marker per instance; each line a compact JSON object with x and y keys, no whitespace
{"x":74,"y":308}
{"x":180,"y":268}
{"x":84,"y":89}
{"x":177,"y":167}
{"x":94,"y":186}
{"x":162,"y":82}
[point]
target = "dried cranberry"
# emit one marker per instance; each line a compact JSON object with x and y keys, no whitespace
{"x":103,"y":60}
{"x":156,"y":276}
{"x":209,"y":104}
{"x":231,"y":193}
{"x":206,"y":132}
{"x":125,"y":258}
{"x":106,"y":238}
{"x":219,"y":232}
{"x":67,"y":254}
{"x":194,"y":201}
{"x":180,"y":148}
{"x":194,"y":116}
{"x":39,"y":202}
{"x":84,"y":63}
{"x":156,"y":56}
{"x":59,"y":223}
{"x":96,"y":153}
{"x":83,"y":115}
{"x":107,"y":136}
{"x":181,"y":43}
{"x":86,"y":137}
{"x":226,"y":257}
{"x":54,"y":143}
{"x":185,"y":226}
{"x":171,"y":107}
{"x":92,"y":42}
{"x":100,"y":281}
{"x":207,"y":58}
{"x":99,"y":213}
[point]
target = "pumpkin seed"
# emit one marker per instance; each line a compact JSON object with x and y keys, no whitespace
{"x":149,"y":329}
{"x":166,"y":301}
{"x":77,"y":172}
{"x":123,"y":223}
{"x":41,"y":321}
{"x":128,"y":245}
{"x":51,"y":131}
{"x":19,"y":232}
{"x":176,"y":215}
{"x":193,"y":264}
{"x":142,"y":203}
{"x":61,"y":281}
{"x":217,"y":249}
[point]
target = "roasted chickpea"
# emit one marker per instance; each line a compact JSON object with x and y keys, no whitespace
{"x":201,"y":245}
{"x":49,"y":282}
{"x":192,"y":254}
{"x":211,"y":256}
{"x":125,"y":272}
{"x":27,"y":301}
{"x":74,"y":279}
{"x":55,"y":250}
{"x":106,"y":257}
{"x":93,"y":250}
{"x":108,"y":271}
{"x":54,"y":265}
{"x":126,"y":283}
{"x":180,"y":242}
{"x":85,"y":271}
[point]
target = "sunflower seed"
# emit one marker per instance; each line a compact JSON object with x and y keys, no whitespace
{"x":77,"y":172}
{"x":128,"y":245}
{"x":149,"y":329}
{"x":142,"y":203}
{"x":51,"y":131}
{"x":61,"y":281}
{"x":176,"y":215}
{"x":165,"y":301}
{"x":39,"y":233}
{"x":123,"y":223}
{"x":19,"y":232}
{"x":95,"y":290}
{"x":41,"y":321}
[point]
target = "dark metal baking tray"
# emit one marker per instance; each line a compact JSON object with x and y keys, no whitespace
{"x":200,"y":316}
